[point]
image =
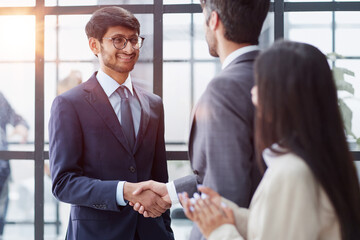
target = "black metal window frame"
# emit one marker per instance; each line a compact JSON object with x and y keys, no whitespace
{"x":158,"y":9}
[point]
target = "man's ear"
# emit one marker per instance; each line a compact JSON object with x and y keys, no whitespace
{"x":94,"y":45}
{"x":214,"y":21}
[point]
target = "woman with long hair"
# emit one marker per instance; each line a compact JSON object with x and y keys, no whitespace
{"x":310,"y":189}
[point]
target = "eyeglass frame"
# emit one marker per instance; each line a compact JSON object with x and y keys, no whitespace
{"x":126,"y":41}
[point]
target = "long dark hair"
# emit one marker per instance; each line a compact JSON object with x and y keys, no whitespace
{"x":298,"y":109}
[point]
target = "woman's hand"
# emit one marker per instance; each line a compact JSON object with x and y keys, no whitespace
{"x":208,"y":213}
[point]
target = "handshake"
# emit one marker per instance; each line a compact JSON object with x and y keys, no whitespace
{"x":149,"y":198}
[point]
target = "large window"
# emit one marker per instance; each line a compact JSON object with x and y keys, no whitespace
{"x":44,"y":51}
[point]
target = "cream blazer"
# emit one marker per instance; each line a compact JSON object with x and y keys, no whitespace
{"x":289,"y":204}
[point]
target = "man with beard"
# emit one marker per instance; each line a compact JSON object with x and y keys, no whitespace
{"x":221,"y":148}
{"x":107,"y":134}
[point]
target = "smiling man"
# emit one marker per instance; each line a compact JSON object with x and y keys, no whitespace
{"x":105,"y":136}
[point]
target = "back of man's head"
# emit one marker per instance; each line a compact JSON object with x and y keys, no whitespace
{"x":107,"y":17}
{"x":242,"y":19}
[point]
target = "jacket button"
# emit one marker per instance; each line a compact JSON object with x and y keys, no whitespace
{"x":132,"y":169}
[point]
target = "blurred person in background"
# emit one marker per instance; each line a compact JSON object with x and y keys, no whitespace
{"x":310,"y":189}
{"x":72,"y":80}
{"x":8,"y":116}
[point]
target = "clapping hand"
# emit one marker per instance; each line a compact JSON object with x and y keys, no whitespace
{"x":207,"y":211}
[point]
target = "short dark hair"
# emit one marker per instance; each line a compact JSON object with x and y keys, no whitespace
{"x":107,"y":17}
{"x":298,"y":109}
{"x":242,"y":19}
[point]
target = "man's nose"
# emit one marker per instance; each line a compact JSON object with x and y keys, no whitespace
{"x":128,"y":48}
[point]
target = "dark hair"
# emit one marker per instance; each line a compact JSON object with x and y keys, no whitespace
{"x":242,"y":19}
{"x":107,"y":17}
{"x":298,"y":109}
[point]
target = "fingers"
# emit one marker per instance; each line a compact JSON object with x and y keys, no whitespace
{"x":208,"y":191}
{"x":164,"y":203}
{"x":188,"y":208}
{"x":136,"y":207}
{"x":141,"y":209}
{"x":229,"y":214}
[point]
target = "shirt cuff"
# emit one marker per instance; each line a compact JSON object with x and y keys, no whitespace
{"x":120,"y":194}
{"x":172,"y":192}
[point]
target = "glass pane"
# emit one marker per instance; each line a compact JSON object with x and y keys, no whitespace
{"x":176,"y":99}
{"x":20,"y":212}
{"x":73,"y":43}
{"x":310,"y":27}
{"x":267,"y":32}
{"x":203,"y":73}
{"x":177,"y":40}
{"x":17,"y":3}
{"x":350,"y":95}
{"x":94,"y":2}
{"x":347,"y":33}
{"x":17,"y":106}
{"x":201,"y":50}
{"x":15,"y":45}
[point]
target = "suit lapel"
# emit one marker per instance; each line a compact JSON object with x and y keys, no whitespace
{"x":100,"y":102}
{"x":144,"y":119}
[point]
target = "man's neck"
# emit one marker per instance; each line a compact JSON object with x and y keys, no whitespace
{"x":117,"y":76}
{"x":225,"y":48}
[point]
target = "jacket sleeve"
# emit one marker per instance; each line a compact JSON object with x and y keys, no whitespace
{"x":66,"y":162}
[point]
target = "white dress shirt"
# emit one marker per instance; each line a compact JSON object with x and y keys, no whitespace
{"x":288,"y":204}
{"x":231,"y":57}
{"x":110,"y":86}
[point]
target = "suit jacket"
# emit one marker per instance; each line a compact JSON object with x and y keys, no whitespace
{"x":89,"y":155}
{"x":221,"y":144}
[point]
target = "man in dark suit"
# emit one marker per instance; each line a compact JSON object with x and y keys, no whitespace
{"x":221,"y":148}
{"x":107,"y":134}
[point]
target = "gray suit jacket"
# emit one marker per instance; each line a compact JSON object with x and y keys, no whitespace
{"x":221,"y":144}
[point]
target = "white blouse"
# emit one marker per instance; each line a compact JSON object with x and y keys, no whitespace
{"x":289,"y":203}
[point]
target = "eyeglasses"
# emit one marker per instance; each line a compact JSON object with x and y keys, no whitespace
{"x":120,"y":42}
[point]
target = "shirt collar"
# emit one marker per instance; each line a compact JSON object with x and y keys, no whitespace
{"x":271,"y":156}
{"x":237,"y":53}
{"x":110,"y":85}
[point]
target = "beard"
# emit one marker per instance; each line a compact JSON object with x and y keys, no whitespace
{"x":211,"y":42}
{"x":111,"y":62}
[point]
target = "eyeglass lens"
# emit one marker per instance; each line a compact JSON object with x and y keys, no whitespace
{"x":120,"y":42}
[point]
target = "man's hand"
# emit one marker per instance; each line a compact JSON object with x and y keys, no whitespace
{"x":156,"y":187}
{"x":154,"y":204}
